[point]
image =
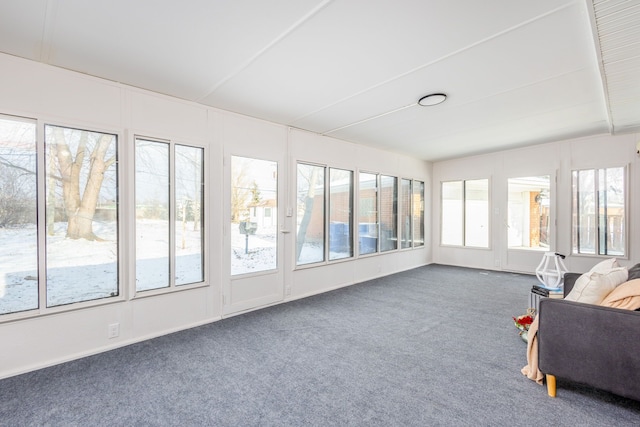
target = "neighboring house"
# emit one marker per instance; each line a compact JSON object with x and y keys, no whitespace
{"x":265,"y":214}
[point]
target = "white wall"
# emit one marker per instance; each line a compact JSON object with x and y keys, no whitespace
{"x":555,"y":159}
{"x":61,"y":97}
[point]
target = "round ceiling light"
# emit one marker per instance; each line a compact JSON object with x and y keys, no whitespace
{"x":432,"y":99}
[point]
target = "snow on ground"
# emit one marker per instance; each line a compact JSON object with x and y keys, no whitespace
{"x":257,"y":252}
{"x":82,"y":270}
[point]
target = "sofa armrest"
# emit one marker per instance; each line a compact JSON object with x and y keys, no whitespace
{"x":569,"y":281}
{"x":590,"y":344}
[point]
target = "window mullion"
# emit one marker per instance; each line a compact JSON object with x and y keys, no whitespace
{"x":577,"y":212}
{"x":605,"y":211}
{"x":171,"y":214}
{"x":327,"y":216}
{"x":378,"y":205}
{"x":41,"y":218}
{"x":464,"y":213}
{"x":596,"y":213}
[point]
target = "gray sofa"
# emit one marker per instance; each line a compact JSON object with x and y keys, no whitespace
{"x":589,"y":344}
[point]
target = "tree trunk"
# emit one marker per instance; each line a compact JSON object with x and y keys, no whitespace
{"x":70,"y":175}
{"x":80,"y":210}
{"x":51,"y":193}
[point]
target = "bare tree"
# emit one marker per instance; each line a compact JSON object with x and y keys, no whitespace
{"x":17,"y":173}
{"x":240,"y":190}
{"x":80,"y":207}
{"x":17,"y":205}
{"x":256,"y":197}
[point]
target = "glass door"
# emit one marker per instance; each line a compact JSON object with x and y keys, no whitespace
{"x":255,"y":260}
{"x":529,"y":220}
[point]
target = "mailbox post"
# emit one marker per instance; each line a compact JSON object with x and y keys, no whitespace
{"x":247,"y":228}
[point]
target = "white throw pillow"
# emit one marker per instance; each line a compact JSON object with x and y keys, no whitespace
{"x":593,"y":287}
{"x":605,"y":266}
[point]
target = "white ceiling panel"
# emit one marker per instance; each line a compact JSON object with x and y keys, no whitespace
{"x":180,"y":48}
{"x":418,"y":130}
{"x":351,"y":47}
{"x":21,"y":27}
{"x":522,"y":57}
{"x":516,"y":72}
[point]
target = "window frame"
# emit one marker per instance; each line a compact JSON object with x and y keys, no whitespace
{"x":550,"y":217}
{"x":352,"y":214}
{"x":395,"y":211}
{"x":122,"y":264}
{"x":355,"y":213}
{"x":173,"y":287}
{"x":573,"y":214}
{"x":464,"y":214}
{"x":278,"y":266}
{"x":402,"y":215}
{"x":325,"y":207}
{"x":376,"y":205}
{"x":414,"y":232}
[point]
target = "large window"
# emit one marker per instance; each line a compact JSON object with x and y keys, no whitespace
{"x":368,"y":214}
{"x":599,"y":212}
{"x":18,"y":228}
{"x":417,"y":204}
{"x":380,"y":197}
{"x":169,"y":210}
{"x":254,"y":219}
{"x":188,"y":212}
{"x":465,"y":213}
{"x":79,"y":216}
{"x":528,"y":213}
{"x":407,"y":219}
{"x":412,"y":213}
{"x":310,"y":216}
{"x":340,"y":213}
{"x":388,"y":213}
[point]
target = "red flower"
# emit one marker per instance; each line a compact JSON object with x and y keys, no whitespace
{"x":525,"y":320}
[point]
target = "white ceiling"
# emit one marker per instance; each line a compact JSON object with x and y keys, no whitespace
{"x":516,"y":72}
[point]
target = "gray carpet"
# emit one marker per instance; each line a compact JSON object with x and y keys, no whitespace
{"x":431,"y":346}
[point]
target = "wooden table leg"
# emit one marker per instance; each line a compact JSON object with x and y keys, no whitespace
{"x":551,"y":385}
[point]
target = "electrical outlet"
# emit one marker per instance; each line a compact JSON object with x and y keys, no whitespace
{"x":287,"y":290}
{"x":114,"y":330}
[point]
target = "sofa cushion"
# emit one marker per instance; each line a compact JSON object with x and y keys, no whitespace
{"x":592,"y":287}
{"x":634,"y":272}
{"x":605,"y":266}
